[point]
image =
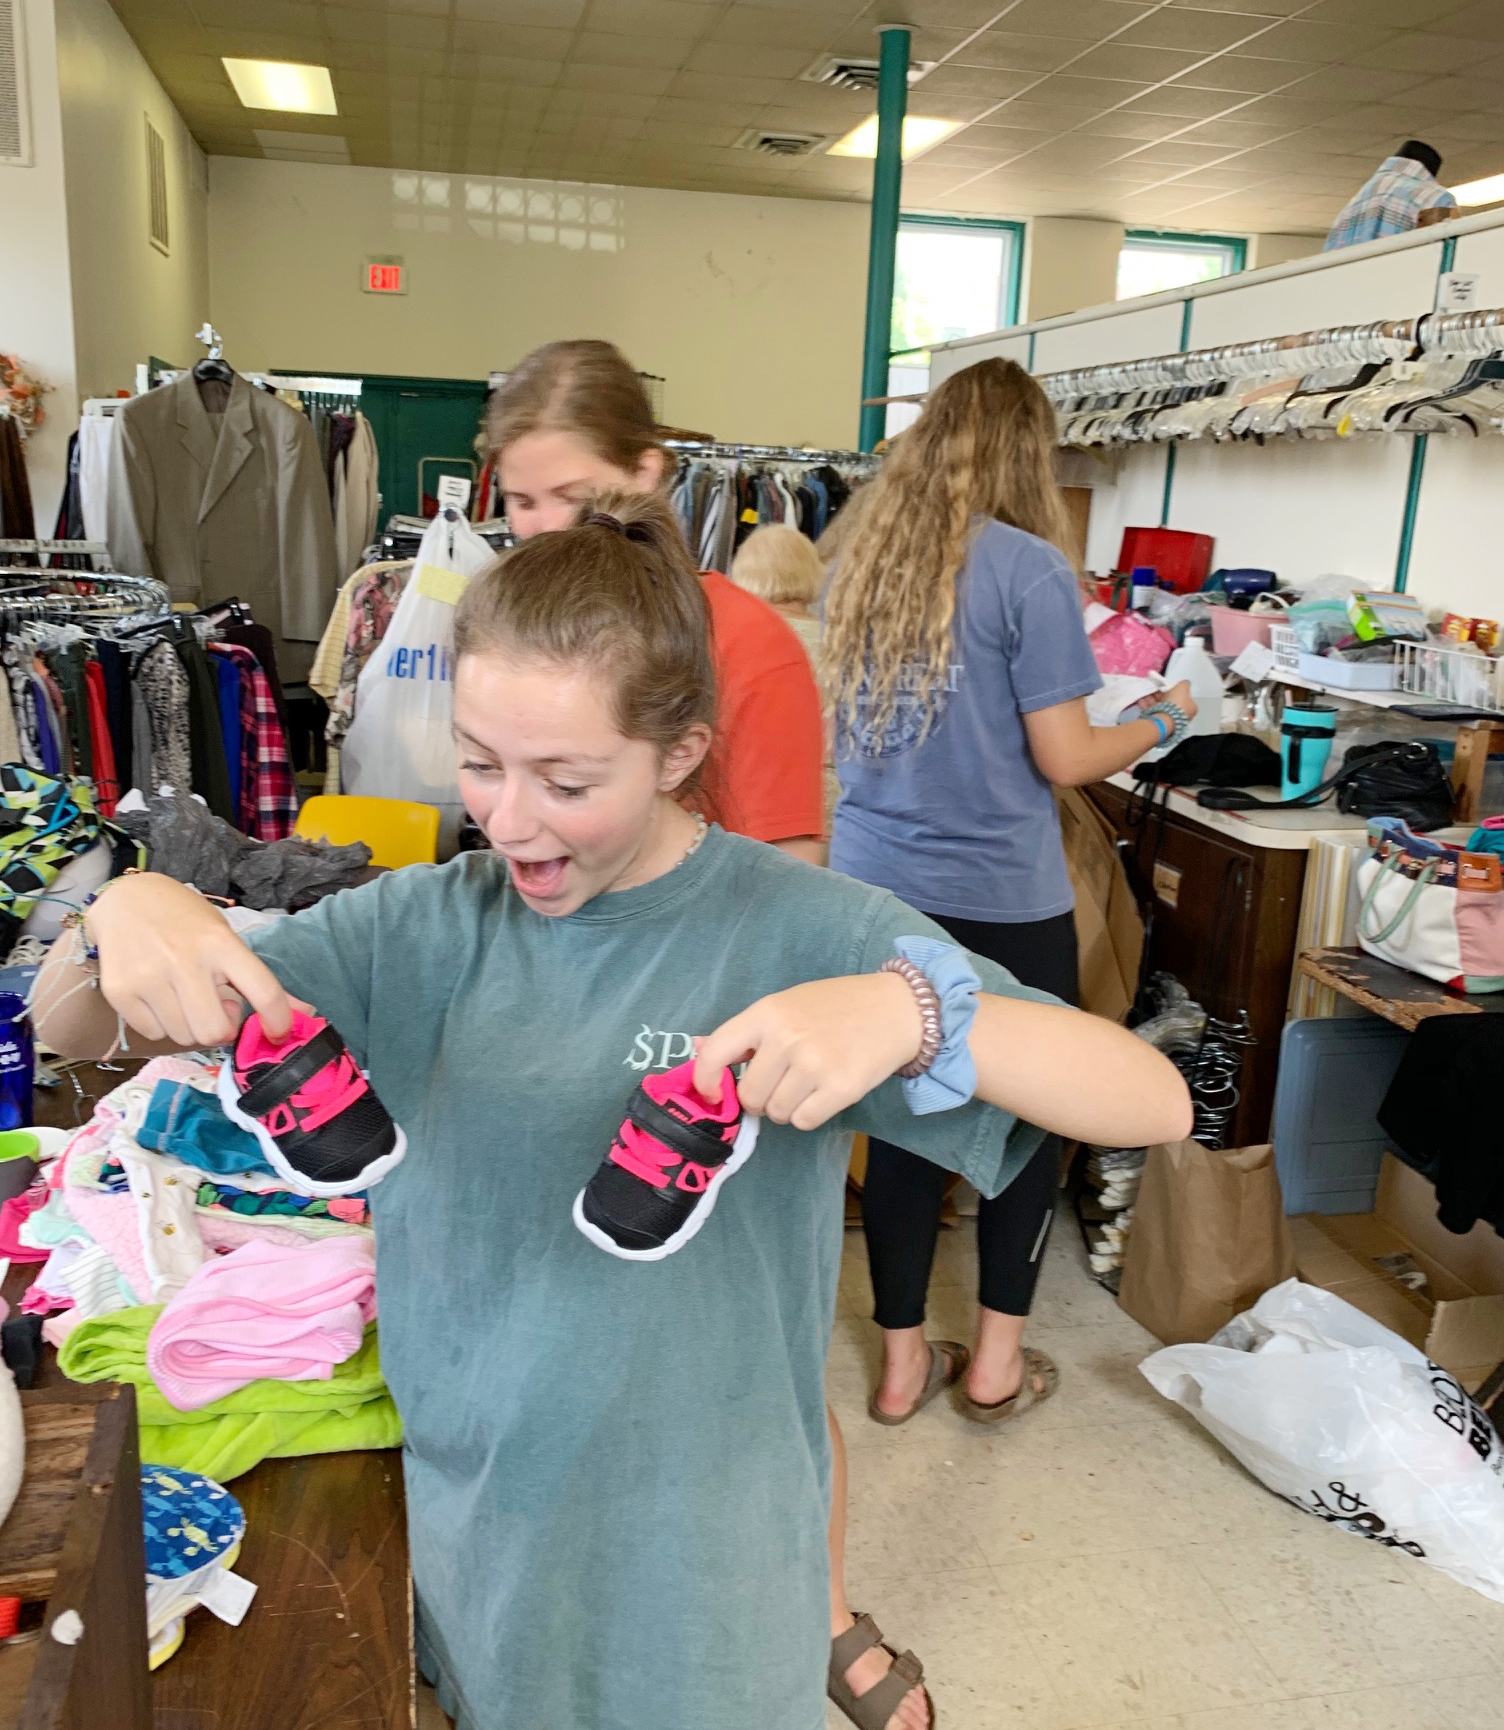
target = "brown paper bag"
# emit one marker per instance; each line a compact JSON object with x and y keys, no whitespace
{"x":1209,"y":1238}
{"x":1109,"y":931}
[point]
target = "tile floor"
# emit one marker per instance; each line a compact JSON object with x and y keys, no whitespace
{"x":1105,"y":1566}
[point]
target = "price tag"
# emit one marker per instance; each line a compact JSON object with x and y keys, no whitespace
{"x":1255,"y":662}
{"x":1457,"y":291}
{"x":453,"y":490}
{"x":227,"y":1595}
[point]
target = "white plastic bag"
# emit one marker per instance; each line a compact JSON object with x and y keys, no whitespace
{"x":1353,"y":1424}
{"x":399,"y":745}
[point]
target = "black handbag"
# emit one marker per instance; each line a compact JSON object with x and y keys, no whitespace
{"x":1402,"y":779}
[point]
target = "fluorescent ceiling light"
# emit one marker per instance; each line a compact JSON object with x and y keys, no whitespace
{"x":1480,"y":191}
{"x":283,"y":85}
{"x":919,"y":134}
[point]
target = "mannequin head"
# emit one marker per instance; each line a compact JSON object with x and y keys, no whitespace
{"x":570,"y":422}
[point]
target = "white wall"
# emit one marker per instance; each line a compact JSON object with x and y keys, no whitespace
{"x":129,"y":300}
{"x":36,"y":313}
{"x":1071,"y":262}
{"x":751,"y":308}
{"x":1266,"y":249}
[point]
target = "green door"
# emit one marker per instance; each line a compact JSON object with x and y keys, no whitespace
{"x":424,"y":428}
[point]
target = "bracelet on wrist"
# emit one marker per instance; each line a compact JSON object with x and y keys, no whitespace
{"x":928,"y":1002}
{"x":78,"y":916}
{"x":1161,"y":726}
{"x":1180,"y":722}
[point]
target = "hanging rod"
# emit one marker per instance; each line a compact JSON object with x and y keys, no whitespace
{"x":766,"y":453}
{"x":1384,"y":339}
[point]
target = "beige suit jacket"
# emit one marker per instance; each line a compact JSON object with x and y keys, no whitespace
{"x":222,"y":505}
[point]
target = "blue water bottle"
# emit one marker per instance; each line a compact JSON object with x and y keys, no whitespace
{"x":1305,"y":744}
{"x":17,"y":1062}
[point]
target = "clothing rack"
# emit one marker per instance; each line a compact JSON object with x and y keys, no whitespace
{"x":89,"y":598}
{"x":771,"y":453}
{"x":1304,"y":351}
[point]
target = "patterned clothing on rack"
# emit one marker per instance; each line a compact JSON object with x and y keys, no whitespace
{"x":164,"y":685}
{"x":268,"y":791}
{"x":374,"y":594}
{"x":43,"y":824}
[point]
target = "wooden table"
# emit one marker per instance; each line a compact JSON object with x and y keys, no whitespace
{"x":328,"y":1642}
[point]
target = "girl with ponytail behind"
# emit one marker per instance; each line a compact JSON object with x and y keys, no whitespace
{"x":957,"y":660}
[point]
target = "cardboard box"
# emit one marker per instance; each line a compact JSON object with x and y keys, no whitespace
{"x":1457,"y":1317}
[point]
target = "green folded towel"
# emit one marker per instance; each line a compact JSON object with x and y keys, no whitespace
{"x":263,"y":1420}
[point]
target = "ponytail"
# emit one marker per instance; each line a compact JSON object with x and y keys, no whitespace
{"x":618,"y":593}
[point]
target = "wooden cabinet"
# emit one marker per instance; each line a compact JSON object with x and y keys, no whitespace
{"x":1224,"y":917}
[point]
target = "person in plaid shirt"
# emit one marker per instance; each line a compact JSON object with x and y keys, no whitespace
{"x":1402,"y":195}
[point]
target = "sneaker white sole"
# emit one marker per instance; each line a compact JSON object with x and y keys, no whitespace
{"x":229,"y":1098}
{"x":741,"y":1152}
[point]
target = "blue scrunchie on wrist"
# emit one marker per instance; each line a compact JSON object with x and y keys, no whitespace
{"x":951,"y":1079}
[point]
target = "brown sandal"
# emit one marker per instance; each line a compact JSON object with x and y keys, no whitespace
{"x":872,"y":1710}
{"x":948,"y":1363}
{"x":1036,"y":1365}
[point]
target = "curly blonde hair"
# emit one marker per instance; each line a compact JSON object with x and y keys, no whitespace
{"x":984,"y":446}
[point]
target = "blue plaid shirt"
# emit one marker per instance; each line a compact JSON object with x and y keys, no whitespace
{"x":1389,"y":202}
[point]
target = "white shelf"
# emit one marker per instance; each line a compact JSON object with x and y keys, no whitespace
{"x":1371,"y":699}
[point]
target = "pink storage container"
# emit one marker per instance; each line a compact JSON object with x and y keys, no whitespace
{"x":1233,"y":631}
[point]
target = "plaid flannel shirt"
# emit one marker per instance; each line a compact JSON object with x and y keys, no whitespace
{"x":1388,"y":202}
{"x":268,"y":791}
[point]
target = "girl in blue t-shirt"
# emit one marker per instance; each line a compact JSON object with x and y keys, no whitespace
{"x":959,"y":664}
{"x":617,"y":1473}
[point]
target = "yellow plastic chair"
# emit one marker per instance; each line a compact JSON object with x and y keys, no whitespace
{"x":398,"y":831}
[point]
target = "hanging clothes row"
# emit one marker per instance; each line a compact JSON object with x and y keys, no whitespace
{"x":16,"y":520}
{"x":142,"y":698}
{"x":347,"y":448}
{"x":362,"y":612}
{"x":720,"y":493}
{"x":217,"y":488}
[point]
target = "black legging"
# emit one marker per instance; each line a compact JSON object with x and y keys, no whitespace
{"x":902,"y":1194}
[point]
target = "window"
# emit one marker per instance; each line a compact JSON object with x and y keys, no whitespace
{"x":1150,"y":262}
{"x":953,"y":276}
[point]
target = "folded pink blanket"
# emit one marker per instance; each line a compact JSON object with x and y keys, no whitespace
{"x":264,"y":1311}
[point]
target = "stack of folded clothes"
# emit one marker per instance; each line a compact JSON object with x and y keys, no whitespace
{"x":177,"y":1260}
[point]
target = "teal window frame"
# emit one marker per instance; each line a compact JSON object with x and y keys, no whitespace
{"x":1013,"y":288}
{"x":1236,"y":245}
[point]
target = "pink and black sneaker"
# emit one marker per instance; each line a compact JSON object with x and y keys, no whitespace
{"x":658,"y":1184}
{"x":319,"y":1123}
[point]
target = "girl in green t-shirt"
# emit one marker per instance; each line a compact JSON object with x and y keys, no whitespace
{"x":617,"y":1472}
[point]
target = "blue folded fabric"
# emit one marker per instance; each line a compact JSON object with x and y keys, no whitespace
{"x":952,"y":1078}
{"x":188,"y":1123}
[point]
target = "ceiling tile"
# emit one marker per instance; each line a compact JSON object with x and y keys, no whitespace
{"x":987,"y":83}
{"x":708,"y":87}
{"x":1085,"y":20}
{"x":632,"y":80}
{"x":1185,"y":102}
{"x":559,"y":14}
{"x":1361,"y":83}
{"x":1018,"y":53}
{"x":1483,"y":22}
{"x":1383,"y":14}
{"x":505,"y":75}
{"x":1178,"y":153}
{"x":1235,"y":133}
{"x":1319,"y":44}
{"x":772,"y":26}
{"x":1078,"y":153}
{"x":687,"y":19}
{"x":283,"y":15}
{"x":748,"y":60}
{"x":529,"y":41}
{"x":1422,"y":53}
{"x":1093,"y":93}
{"x":1247,"y":75}
{"x":1029,"y":116}
{"x":591,"y":49}
{"x":1461,"y":95}
{"x":1142,"y":127}
{"x":689,"y":112}
{"x":362,"y":24}
{"x":1141,"y":65}
{"x":1192,"y":28}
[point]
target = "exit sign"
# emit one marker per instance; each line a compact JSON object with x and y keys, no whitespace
{"x":385,"y":276}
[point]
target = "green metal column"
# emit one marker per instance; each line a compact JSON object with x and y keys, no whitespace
{"x":1418,"y":446}
{"x":887,"y":181}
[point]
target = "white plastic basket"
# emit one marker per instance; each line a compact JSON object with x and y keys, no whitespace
{"x":1450,"y":675}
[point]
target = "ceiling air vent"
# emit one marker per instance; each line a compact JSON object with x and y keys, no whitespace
{"x":781,"y":143}
{"x":843,"y":72}
{"x":15,"y":121}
